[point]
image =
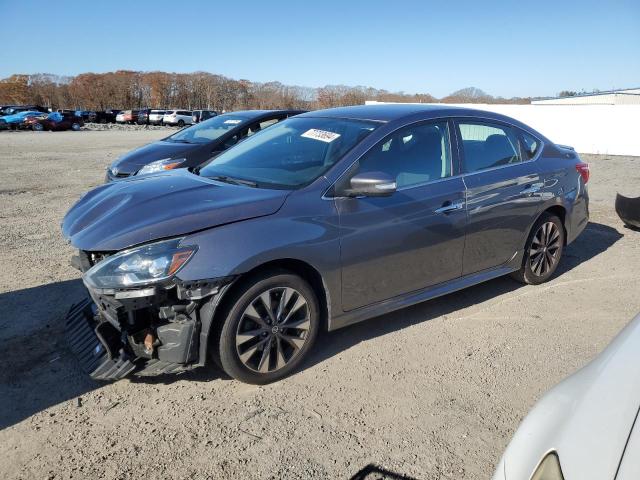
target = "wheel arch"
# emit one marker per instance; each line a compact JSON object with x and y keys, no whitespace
{"x":213,"y":310}
{"x":556,"y":209}
{"x":560,"y":212}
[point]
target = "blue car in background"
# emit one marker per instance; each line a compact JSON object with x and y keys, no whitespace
{"x":12,"y":121}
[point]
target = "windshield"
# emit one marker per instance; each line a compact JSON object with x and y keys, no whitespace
{"x":291,"y":153}
{"x":207,"y":131}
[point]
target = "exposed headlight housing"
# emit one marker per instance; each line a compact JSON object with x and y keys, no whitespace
{"x":145,"y":265}
{"x":160,"y":165}
{"x":549,"y":468}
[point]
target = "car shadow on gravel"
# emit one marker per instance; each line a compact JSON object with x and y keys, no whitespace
{"x":38,"y":371}
{"x":594,"y":240}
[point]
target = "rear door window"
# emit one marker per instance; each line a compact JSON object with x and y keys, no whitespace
{"x":487,"y":145}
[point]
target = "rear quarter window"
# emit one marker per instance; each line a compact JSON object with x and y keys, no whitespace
{"x":529,"y":144}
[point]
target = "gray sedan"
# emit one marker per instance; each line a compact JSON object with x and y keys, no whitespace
{"x":320,"y":221}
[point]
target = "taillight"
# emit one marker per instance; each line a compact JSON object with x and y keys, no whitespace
{"x":583,"y":170}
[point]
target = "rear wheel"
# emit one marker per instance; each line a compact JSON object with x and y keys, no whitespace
{"x":269,"y":327}
{"x":180,"y":123}
{"x":543,"y":251}
{"x":37,"y":127}
{"x":75,"y":127}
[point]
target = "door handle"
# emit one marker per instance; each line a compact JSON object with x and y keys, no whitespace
{"x":449,"y":207}
{"x":532,"y":188}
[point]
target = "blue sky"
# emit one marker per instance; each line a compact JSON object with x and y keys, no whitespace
{"x":505,"y":48}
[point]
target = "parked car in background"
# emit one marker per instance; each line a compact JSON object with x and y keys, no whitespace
{"x":17,"y":120}
{"x":143,"y":116}
{"x":584,"y":428}
{"x":156,"y":116}
{"x":86,"y":115}
{"x":13,"y":109}
{"x":195,"y":145}
{"x":106,"y":116}
{"x":67,"y":122}
{"x":127,"y":116}
{"x":202,"y":115}
{"x":319,"y":221}
{"x":178,"y":118}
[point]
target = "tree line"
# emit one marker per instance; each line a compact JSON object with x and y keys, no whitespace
{"x":126,"y":89}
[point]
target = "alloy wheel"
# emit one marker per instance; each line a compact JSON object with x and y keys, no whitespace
{"x":545,"y":248}
{"x":273,"y":329}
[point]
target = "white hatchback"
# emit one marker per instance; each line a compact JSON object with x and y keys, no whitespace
{"x":177,"y":117}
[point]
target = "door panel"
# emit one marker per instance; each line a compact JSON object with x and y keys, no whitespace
{"x":502,"y":198}
{"x":399,"y":244}
{"x":501,"y":206}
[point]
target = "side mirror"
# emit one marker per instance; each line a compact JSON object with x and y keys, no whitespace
{"x":372,"y":184}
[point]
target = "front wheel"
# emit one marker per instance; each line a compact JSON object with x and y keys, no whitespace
{"x":269,"y":328}
{"x":180,"y":123}
{"x":75,"y":127}
{"x":543,"y":251}
{"x":37,"y":127}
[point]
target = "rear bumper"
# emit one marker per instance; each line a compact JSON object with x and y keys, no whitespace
{"x":578,"y":214}
{"x":628,"y":209}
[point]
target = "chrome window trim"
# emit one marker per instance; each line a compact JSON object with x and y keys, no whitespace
{"x":462,"y":175}
{"x":490,"y":169}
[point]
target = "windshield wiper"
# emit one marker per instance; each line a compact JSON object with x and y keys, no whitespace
{"x":234,"y":181}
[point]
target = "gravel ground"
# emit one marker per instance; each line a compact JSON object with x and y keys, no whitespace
{"x":433,"y":391}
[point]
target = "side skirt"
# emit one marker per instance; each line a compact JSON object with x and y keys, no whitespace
{"x":397,"y":303}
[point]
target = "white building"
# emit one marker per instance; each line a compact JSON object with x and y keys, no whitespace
{"x":589,"y":128}
{"x":629,"y":96}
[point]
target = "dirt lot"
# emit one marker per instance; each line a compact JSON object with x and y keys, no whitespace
{"x":433,"y":391}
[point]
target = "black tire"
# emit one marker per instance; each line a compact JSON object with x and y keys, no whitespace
{"x":180,"y":123}
{"x":235,"y":323}
{"x":75,"y":127}
{"x":541,"y":260}
{"x":37,"y":127}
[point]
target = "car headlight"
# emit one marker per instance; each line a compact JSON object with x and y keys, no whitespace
{"x":161,"y":165}
{"x":549,"y":468}
{"x":139,"y":266}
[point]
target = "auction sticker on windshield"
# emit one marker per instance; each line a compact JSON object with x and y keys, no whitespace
{"x":232,"y":122}
{"x":321,"y":135}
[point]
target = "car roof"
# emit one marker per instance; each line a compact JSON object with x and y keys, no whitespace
{"x":389,"y":112}
{"x":260,"y":113}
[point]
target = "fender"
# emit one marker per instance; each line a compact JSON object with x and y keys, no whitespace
{"x":232,"y":250}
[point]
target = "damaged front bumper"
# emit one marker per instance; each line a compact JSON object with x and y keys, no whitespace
{"x":144,"y":331}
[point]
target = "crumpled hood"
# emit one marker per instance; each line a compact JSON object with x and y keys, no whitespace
{"x":141,"y":209}
{"x":136,"y":159}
